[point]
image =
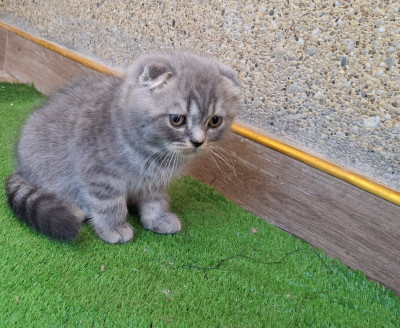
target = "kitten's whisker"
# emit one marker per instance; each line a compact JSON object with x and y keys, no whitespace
{"x":175,"y":166}
{"x":155,"y":151}
{"x":221,"y":148}
{"x":216,"y":163}
{"x":228,"y":155}
{"x":162,"y":153}
{"x":166,"y":172}
{"x":160,"y":150}
{"x":152,"y":164}
{"x":224,"y":150}
{"x":161,"y":169}
{"x":176,"y":163}
{"x":227,"y":163}
{"x":144,"y":173}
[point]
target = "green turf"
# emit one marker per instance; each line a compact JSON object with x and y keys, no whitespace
{"x":227,"y":268}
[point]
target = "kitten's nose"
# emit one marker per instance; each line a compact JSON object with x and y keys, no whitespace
{"x":197,"y":144}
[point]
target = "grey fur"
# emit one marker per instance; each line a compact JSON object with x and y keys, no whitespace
{"x":103,"y":142}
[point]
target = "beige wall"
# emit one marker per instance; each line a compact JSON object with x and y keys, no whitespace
{"x":321,"y":75}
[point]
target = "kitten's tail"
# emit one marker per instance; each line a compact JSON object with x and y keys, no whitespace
{"x":43,"y":211}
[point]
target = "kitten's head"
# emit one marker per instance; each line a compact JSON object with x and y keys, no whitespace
{"x":180,"y":101}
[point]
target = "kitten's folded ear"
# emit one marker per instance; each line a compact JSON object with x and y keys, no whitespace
{"x":151,"y":74}
{"x":233,"y":82}
{"x":154,"y":75}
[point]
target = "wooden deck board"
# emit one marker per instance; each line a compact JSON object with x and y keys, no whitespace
{"x":3,"y":47}
{"x":5,"y":77}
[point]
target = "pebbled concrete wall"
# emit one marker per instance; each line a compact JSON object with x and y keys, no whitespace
{"x":321,"y":75}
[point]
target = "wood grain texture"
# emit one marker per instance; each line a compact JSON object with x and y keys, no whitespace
{"x":3,"y":47}
{"x":348,"y":223}
{"x":5,"y":77}
{"x":31,"y":63}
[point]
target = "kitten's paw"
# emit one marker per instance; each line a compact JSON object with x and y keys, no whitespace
{"x":166,"y":223}
{"x":116,"y":235}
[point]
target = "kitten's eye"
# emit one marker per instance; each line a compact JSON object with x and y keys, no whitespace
{"x":177,"y":120}
{"x":215,"y":121}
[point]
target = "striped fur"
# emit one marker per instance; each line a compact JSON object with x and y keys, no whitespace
{"x":43,"y":211}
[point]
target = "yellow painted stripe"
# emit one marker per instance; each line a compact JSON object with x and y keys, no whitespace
{"x":247,"y":132}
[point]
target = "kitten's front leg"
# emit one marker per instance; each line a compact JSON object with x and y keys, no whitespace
{"x":108,"y":217}
{"x":155,"y":216}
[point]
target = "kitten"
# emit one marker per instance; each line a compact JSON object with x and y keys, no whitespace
{"x":102,"y":143}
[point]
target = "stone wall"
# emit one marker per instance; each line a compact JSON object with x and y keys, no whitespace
{"x":321,"y":75}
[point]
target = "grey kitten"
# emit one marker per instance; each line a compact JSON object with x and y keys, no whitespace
{"x":102,"y":143}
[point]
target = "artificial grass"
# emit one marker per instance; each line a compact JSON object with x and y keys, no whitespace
{"x":227,"y":268}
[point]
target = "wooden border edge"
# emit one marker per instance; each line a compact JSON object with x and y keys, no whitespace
{"x":332,"y":169}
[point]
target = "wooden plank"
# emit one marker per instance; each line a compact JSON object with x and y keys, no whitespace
{"x":3,"y":47}
{"x":348,"y":223}
{"x":31,"y":63}
{"x":5,"y":77}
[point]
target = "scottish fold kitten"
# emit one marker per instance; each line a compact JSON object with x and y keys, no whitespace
{"x":102,"y":143}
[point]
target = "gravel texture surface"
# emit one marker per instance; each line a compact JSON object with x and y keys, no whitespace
{"x":321,"y":75}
